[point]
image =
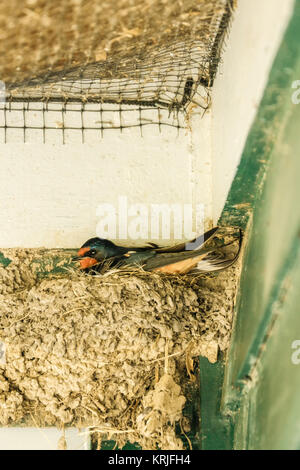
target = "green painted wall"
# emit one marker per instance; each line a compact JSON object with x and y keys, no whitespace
{"x":271,"y":398}
{"x":261,"y":389}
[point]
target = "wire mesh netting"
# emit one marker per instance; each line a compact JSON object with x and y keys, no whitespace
{"x":138,"y":54}
{"x":50,"y":122}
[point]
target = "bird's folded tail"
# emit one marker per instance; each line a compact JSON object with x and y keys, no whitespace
{"x":208,"y":260}
{"x":217,"y":260}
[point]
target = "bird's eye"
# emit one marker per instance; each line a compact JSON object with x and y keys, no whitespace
{"x":93,"y":252}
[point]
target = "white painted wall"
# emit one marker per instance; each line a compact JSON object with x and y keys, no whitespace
{"x":49,"y":193}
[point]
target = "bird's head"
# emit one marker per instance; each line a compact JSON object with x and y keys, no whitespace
{"x":93,"y":251}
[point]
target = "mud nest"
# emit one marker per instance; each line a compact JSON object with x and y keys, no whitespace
{"x":114,"y":353}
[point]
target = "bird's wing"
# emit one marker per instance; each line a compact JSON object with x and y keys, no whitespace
{"x":165,"y":259}
{"x":186,"y":246}
{"x":134,"y":258}
{"x":208,"y":260}
{"x":138,"y":249}
{"x":150,"y":260}
{"x":195,"y":244}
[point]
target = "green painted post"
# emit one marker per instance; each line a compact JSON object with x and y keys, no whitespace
{"x":259,"y":405}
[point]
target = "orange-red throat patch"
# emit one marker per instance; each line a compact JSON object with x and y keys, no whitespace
{"x":87,"y":263}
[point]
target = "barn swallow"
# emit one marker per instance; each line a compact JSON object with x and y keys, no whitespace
{"x":169,"y":260}
{"x":102,"y":249}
